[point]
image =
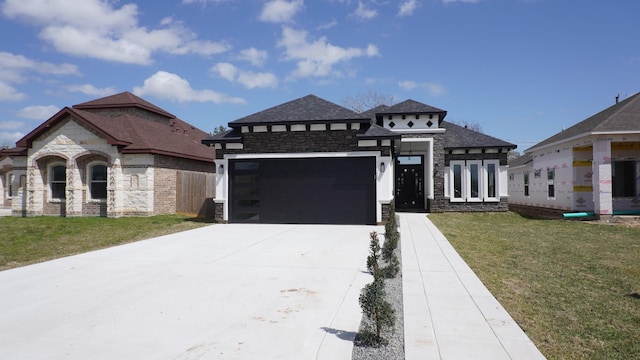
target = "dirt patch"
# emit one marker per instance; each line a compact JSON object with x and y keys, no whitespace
{"x":627,"y":221}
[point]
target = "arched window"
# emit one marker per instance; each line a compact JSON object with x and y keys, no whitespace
{"x":98,"y":181}
{"x":58,"y":181}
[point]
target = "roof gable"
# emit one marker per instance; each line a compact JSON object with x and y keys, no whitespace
{"x":621,"y":117}
{"x":306,"y":109}
{"x":122,"y":100}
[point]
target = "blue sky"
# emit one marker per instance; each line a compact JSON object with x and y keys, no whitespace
{"x":521,"y":69}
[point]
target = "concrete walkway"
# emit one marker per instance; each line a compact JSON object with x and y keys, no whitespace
{"x":448,"y":312}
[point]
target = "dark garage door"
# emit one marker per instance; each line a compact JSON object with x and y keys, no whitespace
{"x":305,"y":191}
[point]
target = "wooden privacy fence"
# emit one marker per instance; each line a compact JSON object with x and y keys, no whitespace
{"x":195,"y":192}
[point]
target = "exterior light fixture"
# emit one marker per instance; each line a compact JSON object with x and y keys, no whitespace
{"x":221,"y":167}
{"x":382,"y":167}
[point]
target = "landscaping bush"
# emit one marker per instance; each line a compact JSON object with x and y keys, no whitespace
{"x":374,"y":254}
{"x":377,"y":310}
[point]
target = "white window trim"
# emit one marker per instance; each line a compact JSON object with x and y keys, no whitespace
{"x":483,"y":181}
{"x":50,"y":180}
{"x":468,"y":181}
{"x":89,"y":180}
{"x":496,"y":177}
{"x":452,"y":180}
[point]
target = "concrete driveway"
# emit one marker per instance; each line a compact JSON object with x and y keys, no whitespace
{"x":218,"y":292}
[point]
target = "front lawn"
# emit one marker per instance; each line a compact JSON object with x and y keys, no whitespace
{"x":26,"y":241}
{"x":574,"y":287}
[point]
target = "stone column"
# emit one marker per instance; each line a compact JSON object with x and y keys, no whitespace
{"x":74,"y":191}
{"x":602,"y":184}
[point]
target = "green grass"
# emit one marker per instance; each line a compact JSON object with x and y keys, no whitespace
{"x":26,"y":241}
{"x":574,"y":287}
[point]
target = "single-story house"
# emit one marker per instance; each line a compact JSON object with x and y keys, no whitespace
{"x":591,"y":167}
{"x":312,"y":161}
{"x":114,"y":156}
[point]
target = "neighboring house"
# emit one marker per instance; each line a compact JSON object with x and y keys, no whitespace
{"x":593,"y":166}
{"x":312,"y":161}
{"x":115,"y":156}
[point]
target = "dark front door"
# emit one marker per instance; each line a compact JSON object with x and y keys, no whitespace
{"x":305,"y":190}
{"x":409,"y":183}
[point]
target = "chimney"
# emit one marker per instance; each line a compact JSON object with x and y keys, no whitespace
{"x":617,"y":98}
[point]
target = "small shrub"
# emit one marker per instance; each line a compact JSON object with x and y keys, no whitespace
{"x":374,"y":254}
{"x":392,"y":269}
{"x":376,"y":309}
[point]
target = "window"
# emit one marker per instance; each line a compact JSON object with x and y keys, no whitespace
{"x":473,"y":169}
{"x":623,"y":178}
{"x":491,"y":180}
{"x":473,"y":180}
{"x":58,"y":181}
{"x":526,"y":184}
{"x":10,"y":187}
{"x":98,"y":182}
{"x":551,"y":188}
{"x":456,"y":170}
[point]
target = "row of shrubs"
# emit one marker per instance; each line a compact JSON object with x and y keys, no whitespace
{"x":382,"y":263}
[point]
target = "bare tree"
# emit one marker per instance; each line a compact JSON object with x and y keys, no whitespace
{"x":366,"y":101}
{"x":219,"y":129}
{"x":513,"y":154}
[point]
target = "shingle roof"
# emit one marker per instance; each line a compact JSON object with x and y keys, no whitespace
{"x":371,"y":113}
{"x":621,"y":117}
{"x":123,"y":99}
{"x":134,"y":134}
{"x":306,"y":109}
{"x":521,"y":160}
{"x":458,"y":137}
{"x":231,"y":135}
{"x":411,"y":107}
{"x":378,"y":132}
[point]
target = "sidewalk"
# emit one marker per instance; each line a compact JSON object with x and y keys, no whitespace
{"x":448,"y":312}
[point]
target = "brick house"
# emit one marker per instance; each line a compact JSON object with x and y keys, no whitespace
{"x":312,"y":161}
{"x":114,"y":156}
{"x":592,"y":167}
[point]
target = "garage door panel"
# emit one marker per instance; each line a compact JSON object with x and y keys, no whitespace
{"x":317,"y":190}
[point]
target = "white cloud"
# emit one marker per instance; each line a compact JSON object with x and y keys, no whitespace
{"x":89,"y":89}
{"x":317,"y":58}
{"x":13,"y":67}
{"x":96,"y":29}
{"x":9,"y":137}
{"x":364,"y":13}
{"x":433,"y":89}
{"x":165,"y":85}
{"x":225,"y":70}
{"x":38,"y":112}
{"x":11,"y":125}
{"x":407,"y":8}
{"x":327,"y":25}
{"x":254,"y":56}
{"x":280,"y":11}
{"x":248,"y":79}
{"x":9,"y":93}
